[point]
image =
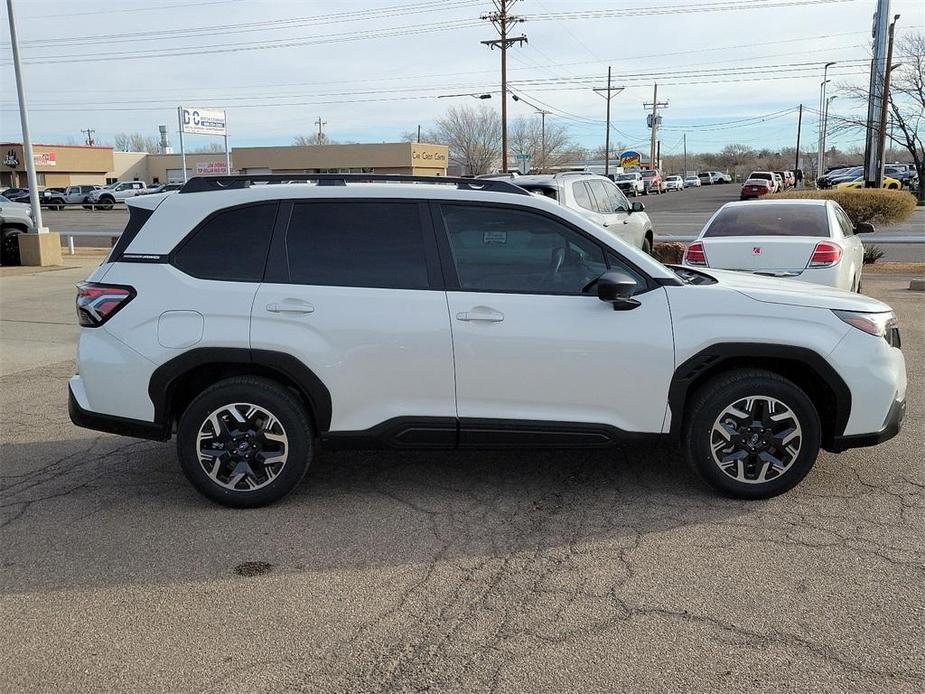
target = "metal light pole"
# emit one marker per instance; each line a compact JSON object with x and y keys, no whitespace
{"x":24,"y":119}
{"x":825,"y":81}
{"x":885,"y":103}
{"x":825,"y":124}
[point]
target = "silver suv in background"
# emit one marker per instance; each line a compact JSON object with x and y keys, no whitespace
{"x":106,"y":197}
{"x":598,"y":199}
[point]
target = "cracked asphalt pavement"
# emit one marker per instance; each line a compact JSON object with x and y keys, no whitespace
{"x":603,"y":571}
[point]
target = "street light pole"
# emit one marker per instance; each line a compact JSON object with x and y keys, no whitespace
{"x":825,"y":81}
{"x":24,"y":120}
{"x":825,"y":124}
{"x":885,"y":102}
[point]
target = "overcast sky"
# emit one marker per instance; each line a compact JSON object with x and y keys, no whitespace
{"x":373,"y":69}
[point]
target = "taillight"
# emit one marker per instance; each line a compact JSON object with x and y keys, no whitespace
{"x":97,"y":303}
{"x":825,"y":254}
{"x":695,"y":255}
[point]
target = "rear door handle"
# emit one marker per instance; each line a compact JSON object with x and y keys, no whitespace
{"x":291,"y":306}
{"x":483,"y":316}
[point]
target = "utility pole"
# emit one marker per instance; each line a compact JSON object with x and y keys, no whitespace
{"x":542,"y":113}
{"x":825,"y":124}
{"x":796,"y":159}
{"x":685,"y":155}
{"x":878,"y":71}
{"x":419,"y":134}
{"x":653,"y":162}
{"x":502,"y":22}
{"x":24,"y":121}
{"x":658,"y":151}
{"x":884,"y":104}
{"x":89,"y":132}
{"x":608,"y":93}
{"x":320,"y":123}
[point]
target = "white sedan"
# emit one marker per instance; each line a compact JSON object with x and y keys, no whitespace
{"x":674,"y":183}
{"x":692,"y":182}
{"x":809,"y":240}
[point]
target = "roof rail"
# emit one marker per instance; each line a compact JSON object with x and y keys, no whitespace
{"x":199,"y":184}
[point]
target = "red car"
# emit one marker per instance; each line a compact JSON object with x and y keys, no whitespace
{"x":755,"y":188}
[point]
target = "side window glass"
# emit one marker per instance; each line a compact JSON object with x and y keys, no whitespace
{"x":583,"y":196}
{"x":357,"y":244}
{"x":618,"y":201}
{"x":232,"y":245}
{"x":508,"y":250}
{"x":599,"y":191}
{"x":846,"y":226}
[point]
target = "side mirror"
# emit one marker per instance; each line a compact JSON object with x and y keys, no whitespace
{"x":864,"y":228}
{"x":616,"y":288}
{"x":638,"y":207}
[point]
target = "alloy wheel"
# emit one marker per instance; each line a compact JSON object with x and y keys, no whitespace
{"x":756,"y":439}
{"x":242,"y":447}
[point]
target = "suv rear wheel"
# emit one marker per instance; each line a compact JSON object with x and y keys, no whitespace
{"x":245,"y":442}
{"x":752,"y":434}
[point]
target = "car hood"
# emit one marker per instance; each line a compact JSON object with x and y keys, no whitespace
{"x":16,"y":205}
{"x":791,"y":292}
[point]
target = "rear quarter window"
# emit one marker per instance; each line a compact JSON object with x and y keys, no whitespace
{"x":756,"y":219}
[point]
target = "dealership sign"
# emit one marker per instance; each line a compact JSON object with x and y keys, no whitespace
{"x":202,"y":121}
{"x":631,"y":160}
{"x":211,"y":168}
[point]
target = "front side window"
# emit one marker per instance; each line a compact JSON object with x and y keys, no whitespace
{"x":231,"y":245}
{"x":602,"y":196}
{"x":498,"y":249}
{"x":357,"y":244}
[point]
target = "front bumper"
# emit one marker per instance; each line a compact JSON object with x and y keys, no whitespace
{"x":891,"y":427}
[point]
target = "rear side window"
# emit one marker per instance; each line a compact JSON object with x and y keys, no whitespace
{"x":770,"y":220}
{"x":231,"y":245}
{"x":357,"y":244}
{"x":583,"y":196}
{"x":137,"y":216}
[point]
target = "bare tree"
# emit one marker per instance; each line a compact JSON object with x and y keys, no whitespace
{"x":209,"y":148}
{"x":473,"y":135}
{"x":313,"y":139}
{"x":135,"y":142}
{"x":546,"y":149}
{"x":906,"y":126}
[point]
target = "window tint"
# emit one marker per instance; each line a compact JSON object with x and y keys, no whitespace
{"x":357,"y":244}
{"x":618,"y":200}
{"x":232,"y":245}
{"x":583,"y":196}
{"x":770,"y":220}
{"x":604,"y":203}
{"x":507,"y":250}
{"x":846,"y":226}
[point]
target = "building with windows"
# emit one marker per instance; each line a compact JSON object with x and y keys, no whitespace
{"x":64,"y":165}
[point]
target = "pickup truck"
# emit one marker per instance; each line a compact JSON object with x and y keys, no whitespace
{"x":105,"y":198}
{"x":15,"y":219}
{"x":72,"y":195}
{"x":630,"y":183}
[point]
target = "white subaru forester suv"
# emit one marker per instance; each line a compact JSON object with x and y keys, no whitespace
{"x":260,"y":323}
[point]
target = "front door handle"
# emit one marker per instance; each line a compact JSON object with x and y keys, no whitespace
{"x":291,"y":307}
{"x":483,"y":315}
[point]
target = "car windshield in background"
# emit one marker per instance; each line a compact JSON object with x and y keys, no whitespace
{"x":3,"y":200}
{"x":648,"y":174}
{"x":755,"y":219}
{"x":625,"y":177}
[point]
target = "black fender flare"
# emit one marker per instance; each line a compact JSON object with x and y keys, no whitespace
{"x":166,"y":377}
{"x":711,"y":358}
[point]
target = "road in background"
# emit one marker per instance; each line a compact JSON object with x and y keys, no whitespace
{"x":609,"y":570}
{"x":680,"y":213}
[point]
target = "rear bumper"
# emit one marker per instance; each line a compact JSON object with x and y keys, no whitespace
{"x":112,"y":424}
{"x":891,"y":427}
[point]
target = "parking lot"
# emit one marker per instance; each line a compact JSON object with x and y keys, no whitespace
{"x":514,"y":571}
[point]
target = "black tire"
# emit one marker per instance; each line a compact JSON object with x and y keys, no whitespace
{"x":709,"y":402}
{"x":647,"y":245}
{"x":275,"y":400}
{"x":9,"y":246}
{"x":106,"y":203}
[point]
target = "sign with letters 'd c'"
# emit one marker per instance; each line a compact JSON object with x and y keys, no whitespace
{"x":202,"y":121}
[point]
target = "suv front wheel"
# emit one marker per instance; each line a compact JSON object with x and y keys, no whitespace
{"x":245,"y":442}
{"x":752,"y":434}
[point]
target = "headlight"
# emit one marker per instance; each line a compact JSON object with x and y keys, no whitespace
{"x":882,"y":325}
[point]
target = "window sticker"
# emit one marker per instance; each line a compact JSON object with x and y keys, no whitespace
{"x":494,"y":238}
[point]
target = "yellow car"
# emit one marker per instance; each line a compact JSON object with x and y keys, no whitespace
{"x":888,"y":182}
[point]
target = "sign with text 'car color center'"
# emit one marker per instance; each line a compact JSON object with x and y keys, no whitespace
{"x":202,"y":121}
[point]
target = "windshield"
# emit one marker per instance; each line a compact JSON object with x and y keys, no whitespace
{"x":112,"y":185}
{"x":626,"y":177}
{"x":542,"y":191}
{"x":756,"y":219}
{"x":648,"y":174}
{"x":3,"y":200}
